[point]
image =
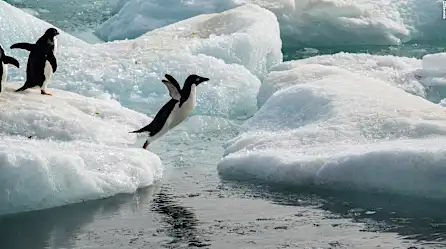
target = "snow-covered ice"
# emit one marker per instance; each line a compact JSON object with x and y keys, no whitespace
{"x":339,"y":128}
{"x":68,"y":148}
{"x":397,"y":71}
{"x":37,"y":174}
{"x":67,"y":116}
{"x":303,"y":22}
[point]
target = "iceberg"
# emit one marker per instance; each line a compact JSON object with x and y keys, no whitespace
{"x":337,"y":128}
{"x":315,"y":23}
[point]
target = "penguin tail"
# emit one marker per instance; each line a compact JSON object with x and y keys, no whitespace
{"x":144,"y":129}
{"x":23,"y":88}
{"x":139,"y":131}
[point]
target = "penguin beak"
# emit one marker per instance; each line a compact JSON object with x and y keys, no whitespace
{"x":203,"y":79}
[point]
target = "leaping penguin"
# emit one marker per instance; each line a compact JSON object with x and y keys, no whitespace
{"x":41,"y":61}
{"x":175,"y":111}
{"x":4,"y":70}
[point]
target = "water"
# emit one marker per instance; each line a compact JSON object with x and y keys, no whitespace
{"x":77,"y":17}
{"x":413,"y":49}
{"x":193,"y":207}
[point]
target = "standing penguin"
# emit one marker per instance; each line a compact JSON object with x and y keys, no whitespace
{"x":175,"y":111}
{"x":41,"y":61}
{"x":4,"y":70}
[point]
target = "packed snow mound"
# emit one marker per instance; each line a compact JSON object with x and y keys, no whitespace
{"x":397,"y":71}
{"x":303,"y":23}
{"x":43,"y":174}
{"x":67,"y":116}
{"x":218,"y":46}
{"x":343,"y":131}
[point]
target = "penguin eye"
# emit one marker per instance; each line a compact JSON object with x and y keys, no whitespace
{"x":197,"y":79}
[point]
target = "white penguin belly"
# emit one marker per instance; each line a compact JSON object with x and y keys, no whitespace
{"x":48,"y":72}
{"x":4,"y":77}
{"x":180,"y":114}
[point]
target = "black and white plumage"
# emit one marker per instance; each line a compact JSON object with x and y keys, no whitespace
{"x":176,"y":110}
{"x":41,"y":61}
{"x":5,"y":60}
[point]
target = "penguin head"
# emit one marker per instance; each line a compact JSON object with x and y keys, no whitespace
{"x":51,"y":32}
{"x":195,"y":79}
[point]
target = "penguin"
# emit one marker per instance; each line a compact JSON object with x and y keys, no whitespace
{"x":5,"y":60}
{"x":41,"y":61}
{"x":175,"y":111}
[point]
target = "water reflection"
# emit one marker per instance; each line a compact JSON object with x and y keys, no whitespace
{"x":181,"y":223}
{"x":58,"y":227}
{"x":420,"y":219}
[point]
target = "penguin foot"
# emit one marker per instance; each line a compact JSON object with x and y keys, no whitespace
{"x":145,"y":145}
{"x":45,"y":93}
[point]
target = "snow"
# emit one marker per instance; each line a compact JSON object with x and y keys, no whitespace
{"x":305,"y":23}
{"x":68,"y":148}
{"x":67,"y":116}
{"x":339,"y":128}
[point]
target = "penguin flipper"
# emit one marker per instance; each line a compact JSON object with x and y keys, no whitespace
{"x":23,"y":45}
{"x":173,"y":89}
{"x":10,"y":60}
{"x":52,"y":60}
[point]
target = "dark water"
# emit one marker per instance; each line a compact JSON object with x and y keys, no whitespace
{"x":413,"y":49}
{"x":193,"y":208}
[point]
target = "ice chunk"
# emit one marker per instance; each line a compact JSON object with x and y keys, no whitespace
{"x":248,"y":35}
{"x":303,"y":23}
{"x":67,"y":116}
{"x":397,"y":71}
{"x":344,"y":130}
{"x":432,"y":76}
{"x":67,"y":148}
{"x":141,"y":16}
{"x":131,"y":71}
{"x":42,"y":174}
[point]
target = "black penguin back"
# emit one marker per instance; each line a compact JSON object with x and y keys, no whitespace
{"x":160,"y":119}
